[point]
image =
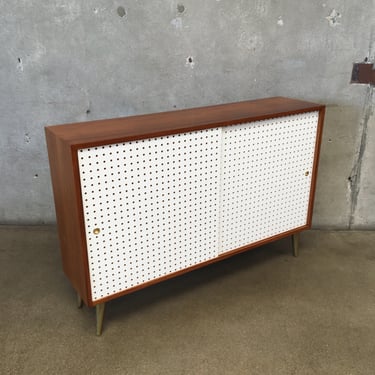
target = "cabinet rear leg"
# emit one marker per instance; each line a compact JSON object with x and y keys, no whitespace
{"x":295,"y":244}
{"x":99,"y":318}
{"x":79,"y":301}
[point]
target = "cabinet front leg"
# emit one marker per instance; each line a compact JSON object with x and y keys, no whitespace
{"x":295,"y":244}
{"x":99,"y":318}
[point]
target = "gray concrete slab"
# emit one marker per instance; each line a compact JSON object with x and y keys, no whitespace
{"x":75,"y":60}
{"x":336,"y":162}
{"x":364,"y":210}
{"x":262,"y":312}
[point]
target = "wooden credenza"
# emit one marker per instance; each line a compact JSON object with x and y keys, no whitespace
{"x":145,"y":198}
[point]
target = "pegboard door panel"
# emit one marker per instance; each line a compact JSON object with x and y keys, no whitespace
{"x":266,"y":178}
{"x":150,"y":207}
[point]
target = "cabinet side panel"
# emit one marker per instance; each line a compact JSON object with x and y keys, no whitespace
{"x":151,"y":208}
{"x":67,"y":213}
{"x":266,"y":178}
{"x":318,"y":142}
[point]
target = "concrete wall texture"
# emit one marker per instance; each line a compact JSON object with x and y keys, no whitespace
{"x":75,"y":60}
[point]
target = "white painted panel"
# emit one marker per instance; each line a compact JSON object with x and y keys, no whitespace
{"x":156,"y":203}
{"x":264,"y":187}
{"x":167,"y":203}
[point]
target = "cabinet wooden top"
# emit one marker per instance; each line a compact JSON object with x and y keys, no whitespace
{"x":95,"y":133}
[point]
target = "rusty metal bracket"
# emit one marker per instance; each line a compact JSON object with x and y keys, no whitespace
{"x":363,"y":72}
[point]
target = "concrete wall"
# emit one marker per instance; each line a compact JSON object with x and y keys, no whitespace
{"x":75,"y":60}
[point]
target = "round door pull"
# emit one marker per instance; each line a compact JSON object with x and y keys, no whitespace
{"x":96,"y":231}
{"x":307,"y":173}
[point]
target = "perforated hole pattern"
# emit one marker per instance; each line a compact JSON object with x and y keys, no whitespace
{"x":155,"y":203}
{"x":164,"y":204}
{"x":265,"y":190}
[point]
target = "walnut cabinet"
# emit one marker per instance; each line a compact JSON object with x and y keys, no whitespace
{"x":145,"y":198}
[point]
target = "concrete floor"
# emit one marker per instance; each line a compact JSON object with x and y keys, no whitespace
{"x":263,"y":312}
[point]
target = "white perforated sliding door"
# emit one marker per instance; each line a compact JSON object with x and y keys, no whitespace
{"x":150,"y":207}
{"x":266,"y":178}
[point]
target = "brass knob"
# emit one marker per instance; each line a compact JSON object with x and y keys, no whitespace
{"x":307,"y":173}
{"x":96,"y":231}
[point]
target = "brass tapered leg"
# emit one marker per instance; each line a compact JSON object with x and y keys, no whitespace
{"x":295,"y":243}
{"x":99,"y":318}
{"x":79,"y":301}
